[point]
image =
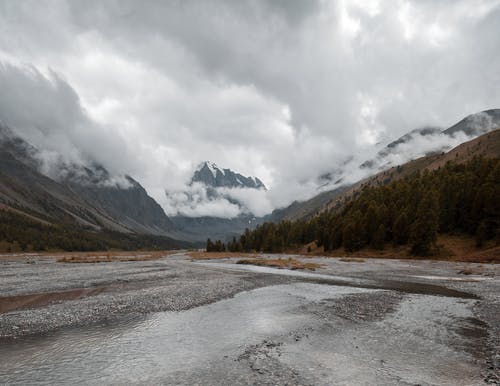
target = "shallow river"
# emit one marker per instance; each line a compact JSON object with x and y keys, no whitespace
{"x":253,"y":337}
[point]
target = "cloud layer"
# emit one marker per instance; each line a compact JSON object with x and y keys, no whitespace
{"x":284,"y":90}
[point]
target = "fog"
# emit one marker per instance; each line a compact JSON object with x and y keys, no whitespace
{"x":283,"y":90}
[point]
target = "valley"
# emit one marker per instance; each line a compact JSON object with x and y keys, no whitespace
{"x":253,"y":192}
{"x":175,"y":319}
{"x":113,"y":211}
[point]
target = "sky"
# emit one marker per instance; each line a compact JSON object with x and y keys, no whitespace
{"x":284,"y":90}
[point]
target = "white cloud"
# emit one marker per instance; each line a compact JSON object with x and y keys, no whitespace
{"x":282,"y":90}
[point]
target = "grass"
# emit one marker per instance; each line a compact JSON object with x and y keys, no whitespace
{"x":109,"y":257}
{"x":289,"y":263}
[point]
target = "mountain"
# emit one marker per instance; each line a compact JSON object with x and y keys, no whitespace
{"x":436,"y":139}
{"x":476,"y":124}
{"x":425,"y":141}
{"x":209,"y":174}
{"x":445,"y":205}
{"x":78,"y":196}
{"x":486,"y":145}
{"x":198,"y":229}
{"x":393,"y":147}
{"x":125,"y":201}
{"x":217,"y":184}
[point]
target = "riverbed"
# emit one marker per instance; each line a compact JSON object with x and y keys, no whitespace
{"x":178,"y":321}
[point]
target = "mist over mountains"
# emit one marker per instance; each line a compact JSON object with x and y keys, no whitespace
{"x":283,"y":92}
{"x":211,"y":192}
{"x":84,"y":195}
{"x":216,"y":202}
{"x":416,"y":143}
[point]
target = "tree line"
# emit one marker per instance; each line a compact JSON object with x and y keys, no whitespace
{"x":456,"y":198}
{"x":20,"y":233}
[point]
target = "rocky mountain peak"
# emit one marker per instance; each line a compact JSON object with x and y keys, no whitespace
{"x":211,"y":175}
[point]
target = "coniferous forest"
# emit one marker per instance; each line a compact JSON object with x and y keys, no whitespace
{"x":454,"y":199}
{"x":20,"y":233}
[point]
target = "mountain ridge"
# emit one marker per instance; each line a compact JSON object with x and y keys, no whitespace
{"x":209,"y":174}
{"x":473,"y":124}
{"x":218,"y":183}
{"x":83,"y":196}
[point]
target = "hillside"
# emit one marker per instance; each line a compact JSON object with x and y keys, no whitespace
{"x":81,"y":197}
{"x":406,"y":208}
{"x":20,"y":232}
{"x":418,"y":144}
{"x":487,"y":145}
{"x":456,"y":199}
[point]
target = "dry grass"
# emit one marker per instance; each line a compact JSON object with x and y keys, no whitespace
{"x":202,"y":255}
{"x":109,"y":257}
{"x":289,"y":263}
{"x":352,"y":260}
{"x":457,"y":248}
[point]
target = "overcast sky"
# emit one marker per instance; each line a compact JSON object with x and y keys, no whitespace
{"x":283,"y":90}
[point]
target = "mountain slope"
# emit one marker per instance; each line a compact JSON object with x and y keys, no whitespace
{"x":129,"y":205}
{"x":487,"y":145}
{"x":198,"y":229}
{"x":472,"y":125}
{"x":82,"y":196}
{"x":452,"y":195}
{"x":476,"y":124}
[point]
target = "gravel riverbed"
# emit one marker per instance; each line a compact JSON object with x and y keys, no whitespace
{"x":391,"y":311}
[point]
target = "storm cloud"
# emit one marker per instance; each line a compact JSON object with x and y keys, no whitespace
{"x":283,"y":90}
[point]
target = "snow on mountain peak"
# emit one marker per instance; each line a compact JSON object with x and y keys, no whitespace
{"x":210,"y":174}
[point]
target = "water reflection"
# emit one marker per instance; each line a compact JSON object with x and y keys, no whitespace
{"x":165,"y":343}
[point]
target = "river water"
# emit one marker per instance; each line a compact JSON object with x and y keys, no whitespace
{"x":166,"y":343}
{"x":210,"y":345}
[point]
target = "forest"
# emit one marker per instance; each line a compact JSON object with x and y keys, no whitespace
{"x":454,"y":199}
{"x":19,"y":233}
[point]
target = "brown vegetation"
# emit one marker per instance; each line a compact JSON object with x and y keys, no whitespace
{"x":202,"y":255}
{"x":289,"y":263}
{"x":108,"y":257}
{"x":449,"y":248}
{"x":352,"y":260}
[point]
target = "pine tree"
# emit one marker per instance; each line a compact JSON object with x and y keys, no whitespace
{"x":372,"y":220}
{"x":348,"y":236}
{"x":481,"y":234}
{"x":424,"y":229}
{"x":378,"y":239}
{"x":210,"y":245}
{"x":400,"y":229}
